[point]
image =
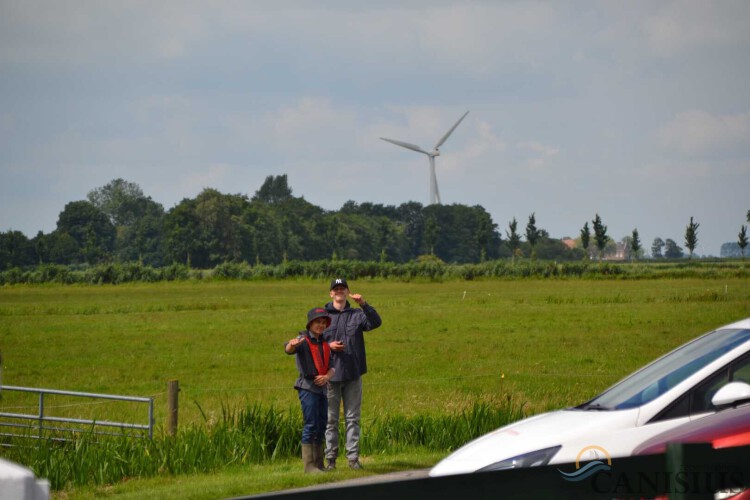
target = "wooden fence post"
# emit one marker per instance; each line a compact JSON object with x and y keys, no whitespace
{"x":173,"y":389}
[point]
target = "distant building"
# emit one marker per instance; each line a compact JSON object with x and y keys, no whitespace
{"x":621,"y":252}
{"x":569,"y":242}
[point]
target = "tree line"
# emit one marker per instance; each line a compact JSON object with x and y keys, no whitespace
{"x":118,"y":223}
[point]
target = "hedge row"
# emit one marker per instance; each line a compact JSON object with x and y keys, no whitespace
{"x":432,"y":270}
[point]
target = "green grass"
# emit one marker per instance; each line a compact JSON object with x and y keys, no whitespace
{"x":246,"y":480}
{"x":254,"y":435}
{"x":557,"y":342}
{"x":442,"y":346}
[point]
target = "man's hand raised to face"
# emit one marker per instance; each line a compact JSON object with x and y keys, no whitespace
{"x":357,"y":298}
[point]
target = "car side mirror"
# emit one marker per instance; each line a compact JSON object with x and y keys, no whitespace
{"x":732,"y":393}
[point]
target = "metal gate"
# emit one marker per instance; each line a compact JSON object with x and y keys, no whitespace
{"x":41,"y":424}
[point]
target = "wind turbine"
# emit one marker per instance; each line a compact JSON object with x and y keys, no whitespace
{"x":434,"y":193}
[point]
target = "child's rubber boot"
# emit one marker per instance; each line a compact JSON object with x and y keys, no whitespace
{"x":307,"y":459}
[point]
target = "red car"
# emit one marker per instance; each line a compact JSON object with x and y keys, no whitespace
{"x":724,"y":429}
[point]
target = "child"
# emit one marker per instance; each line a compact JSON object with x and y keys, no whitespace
{"x":313,"y":357}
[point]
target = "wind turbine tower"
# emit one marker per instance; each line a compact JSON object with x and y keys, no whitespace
{"x":434,"y":192}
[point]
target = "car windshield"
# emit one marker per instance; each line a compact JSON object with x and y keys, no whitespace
{"x":657,"y":378}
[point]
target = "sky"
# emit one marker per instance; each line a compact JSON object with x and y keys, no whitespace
{"x":638,"y":111}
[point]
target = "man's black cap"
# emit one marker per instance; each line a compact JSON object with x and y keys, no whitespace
{"x":338,"y":282}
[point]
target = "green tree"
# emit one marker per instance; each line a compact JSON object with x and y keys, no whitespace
{"x":220,"y":229}
{"x":16,"y":250}
{"x":457,"y":239}
{"x":354,"y":236}
{"x":265,"y":231}
{"x":514,"y":239}
{"x":138,"y":221}
{"x":300,"y":225}
{"x":143,"y":238}
{"x":656,"y":248}
{"x":275,"y":189}
{"x":585,"y":238}
{"x":41,"y":244}
{"x":484,"y":234}
{"x":532,"y":234}
{"x":600,"y":235}
{"x":118,"y":200}
{"x":431,"y":233}
{"x":672,"y":250}
{"x":182,"y":234}
{"x":90,"y":228}
{"x":742,"y":239}
{"x":635,"y":244}
{"x":411,"y":217}
{"x":64,"y":249}
{"x":554,"y":249}
{"x":691,"y":236}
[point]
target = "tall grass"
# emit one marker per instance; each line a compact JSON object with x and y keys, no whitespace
{"x":441,"y":432}
{"x":250,"y":435}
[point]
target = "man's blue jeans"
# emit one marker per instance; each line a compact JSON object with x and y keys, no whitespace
{"x":315,"y":416}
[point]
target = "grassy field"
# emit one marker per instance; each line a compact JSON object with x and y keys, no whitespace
{"x":442,"y":346}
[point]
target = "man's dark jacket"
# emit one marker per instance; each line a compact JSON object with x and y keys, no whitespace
{"x":348,"y":326}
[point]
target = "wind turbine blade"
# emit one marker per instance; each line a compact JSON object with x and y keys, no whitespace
{"x":445,"y":137}
{"x":406,"y":145}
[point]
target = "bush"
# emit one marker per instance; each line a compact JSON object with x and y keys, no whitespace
{"x":232,"y":270}
{"x":425,"y":268}
{"x":175,"y":272}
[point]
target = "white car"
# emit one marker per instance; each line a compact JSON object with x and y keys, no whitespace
{"x":674,"y":389}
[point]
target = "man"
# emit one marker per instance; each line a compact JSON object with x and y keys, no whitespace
{"x":347,"y":341}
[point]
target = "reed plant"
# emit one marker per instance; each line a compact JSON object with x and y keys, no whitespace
{"x":251,"y":435}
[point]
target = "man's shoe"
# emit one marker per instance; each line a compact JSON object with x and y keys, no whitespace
{"x":355,"y":465}
{"x":318,"y":456}
{"x":331,"y":464}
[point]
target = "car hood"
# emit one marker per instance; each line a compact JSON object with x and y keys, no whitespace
{"x":531,"y":434}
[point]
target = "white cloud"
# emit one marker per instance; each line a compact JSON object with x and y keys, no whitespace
{"x":213,"y":176}
{"x":538,"y":147}
{"x":685,"y":25}
{"x":476,"y":36}
{"x":86,"y":31}
{"x":486,"y":144}
{"x":696,"y":132}
{"x":541,"y":152}
{"x":311,"y":126}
